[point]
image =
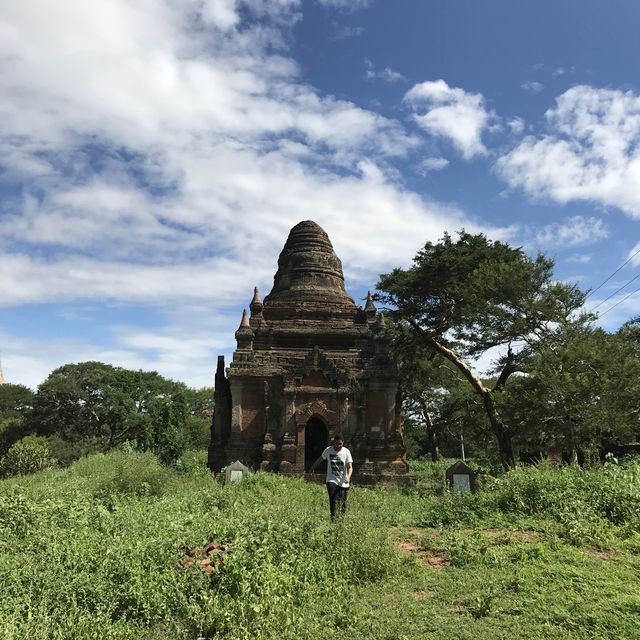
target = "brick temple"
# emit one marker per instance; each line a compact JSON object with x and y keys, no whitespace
{"x":309,"y":363}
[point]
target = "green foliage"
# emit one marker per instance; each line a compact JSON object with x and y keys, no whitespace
{"x":95,"y":551}
{"x":463,"y":297}
{"x":193,"y":461}
{"x":28,"y":455}
{"x":97,"y":406}
{"x":474,"y":294}
{"x":582,"y":391}
{"x":16,"y":401}
{"x":197,"y":431}
{"x":67,"y":451}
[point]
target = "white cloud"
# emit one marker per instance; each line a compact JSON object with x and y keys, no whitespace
{"x":573,"y":231}
{"x":532,"y":86}
{"x":160,"y":151}
{"x":559,"y":71}
{"x":516,"y":125}
{"x":186,"y":352}
{"x":634,"y":255}
{"x":591,"y":151}
{"x":579,"y":258}
{"x":451,"y":113}
{"x":434,"y":164}
{"x":387,"y":74}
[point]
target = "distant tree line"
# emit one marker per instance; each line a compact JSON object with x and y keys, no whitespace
{"x":558,"y":381}
{"x":92,"y":406}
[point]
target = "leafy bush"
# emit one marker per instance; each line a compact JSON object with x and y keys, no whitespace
{"x":12,"y":429}
{"x":28,"y":455}
{"x":66,"y":452}
{"x":121,"y":474}
{"x":193,"y":462}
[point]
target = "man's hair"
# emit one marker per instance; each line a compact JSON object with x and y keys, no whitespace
{"x":338,"y":436}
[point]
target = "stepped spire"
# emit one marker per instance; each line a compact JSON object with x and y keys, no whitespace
{"x":308,"y":268}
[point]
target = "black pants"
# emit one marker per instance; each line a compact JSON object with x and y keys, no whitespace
{"x":337,"y":495}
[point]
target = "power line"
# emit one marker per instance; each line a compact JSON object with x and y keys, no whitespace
{"x":616,"y":291}
{"x":619,"y":302}
{"x":613,"y":274}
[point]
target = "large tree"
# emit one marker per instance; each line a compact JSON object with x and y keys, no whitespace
{"x":16,"y":402}
{"x":582,"y":391}
{"x":112,"y":404}
{"x":462,"y":297}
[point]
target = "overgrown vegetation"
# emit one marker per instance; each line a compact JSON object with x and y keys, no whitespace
{"x":97,"y":551}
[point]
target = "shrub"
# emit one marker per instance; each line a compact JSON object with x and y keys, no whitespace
{"x":193,"y":462}
{"x":28,"y":455}
{"x":66,"y":452}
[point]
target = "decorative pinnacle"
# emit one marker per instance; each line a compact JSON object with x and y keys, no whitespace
{"x":369,"y":307}
{"x":256,"y":304}
{"x":381,"y":323}
{"x":244,"y":334}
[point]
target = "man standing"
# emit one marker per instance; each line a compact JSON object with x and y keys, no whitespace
{"x":339,"y":470}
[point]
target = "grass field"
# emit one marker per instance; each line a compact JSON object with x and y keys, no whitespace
{"x":99,"y":550}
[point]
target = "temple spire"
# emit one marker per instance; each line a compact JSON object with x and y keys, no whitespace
{"x":370,"y":308}
{"x":244,"y":334}
{"x":256,"y":305}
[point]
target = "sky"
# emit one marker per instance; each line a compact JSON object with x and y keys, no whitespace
{"x":155,"y":153}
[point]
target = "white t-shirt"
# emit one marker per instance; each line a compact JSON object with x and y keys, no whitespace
{"x":337,"y":465}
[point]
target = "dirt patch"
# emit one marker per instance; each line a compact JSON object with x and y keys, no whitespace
{"x":407,"y":546}
{"x":604,"y":555}
{"x":426,"y":557}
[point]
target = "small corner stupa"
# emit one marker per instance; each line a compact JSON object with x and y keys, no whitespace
{"x":309,"y":363}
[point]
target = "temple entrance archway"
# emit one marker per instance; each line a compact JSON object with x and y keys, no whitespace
{"x":316,"y":438}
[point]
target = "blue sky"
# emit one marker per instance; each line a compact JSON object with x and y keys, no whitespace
{"x":155,"y":153}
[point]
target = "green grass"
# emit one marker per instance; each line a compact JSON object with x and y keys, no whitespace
{"x":95,"y":550}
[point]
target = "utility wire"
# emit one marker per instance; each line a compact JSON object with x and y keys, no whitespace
{"x":613,"y":274}
{"x":617,"y":291}
{"x":619,"y":302}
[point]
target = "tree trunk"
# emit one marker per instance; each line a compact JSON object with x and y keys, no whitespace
{"x":433,"y":445}
{"x":432,"y":433}
{"x":500,"y":429}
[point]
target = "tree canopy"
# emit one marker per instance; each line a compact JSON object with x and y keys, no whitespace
{"x":462,"y":297}
{"x":114,"y":405}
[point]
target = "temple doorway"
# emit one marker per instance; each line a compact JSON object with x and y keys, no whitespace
{"x":316,"y":438}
